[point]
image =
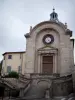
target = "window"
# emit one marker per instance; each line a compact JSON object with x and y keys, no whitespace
{"x":9,"y":56}
{"x":53,"y":16}
{"x":19,"y":69}
{"x":8,"y":69}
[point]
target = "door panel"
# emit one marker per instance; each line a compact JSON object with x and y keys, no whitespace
{"x":47,"y":64}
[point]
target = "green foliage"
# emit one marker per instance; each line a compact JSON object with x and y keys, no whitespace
{"x":13,"y":74}
{"x":1,"y":66}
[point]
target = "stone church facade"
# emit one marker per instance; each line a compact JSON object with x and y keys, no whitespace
{"x":49,"y":48}
{"x":49,"y":60}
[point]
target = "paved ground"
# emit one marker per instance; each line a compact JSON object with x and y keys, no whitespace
{"x":72,"y":98}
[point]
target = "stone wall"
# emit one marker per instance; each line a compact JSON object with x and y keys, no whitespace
{"x":56,"y":85}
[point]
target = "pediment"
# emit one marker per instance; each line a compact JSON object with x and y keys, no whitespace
{"x":47,"y":48}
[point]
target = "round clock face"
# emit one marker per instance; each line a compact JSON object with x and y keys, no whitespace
{"x":47,"y":39}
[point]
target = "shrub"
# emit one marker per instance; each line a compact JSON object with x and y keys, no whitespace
{"x":13,"y":74}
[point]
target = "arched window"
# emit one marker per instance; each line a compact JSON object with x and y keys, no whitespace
{"x":8,"y":69}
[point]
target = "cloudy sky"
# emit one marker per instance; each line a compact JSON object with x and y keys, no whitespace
{"x":16,"y":17}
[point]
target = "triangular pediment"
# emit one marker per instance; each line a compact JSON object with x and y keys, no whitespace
{"x":47,"y":48}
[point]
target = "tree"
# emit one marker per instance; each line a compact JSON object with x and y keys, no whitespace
{"x":13,"y":74}
{"x":1,"y":66}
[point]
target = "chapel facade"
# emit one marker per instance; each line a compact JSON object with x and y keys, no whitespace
{"x":49,"y":48}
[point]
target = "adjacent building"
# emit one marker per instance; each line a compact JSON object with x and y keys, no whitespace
{"x":13,"y":61}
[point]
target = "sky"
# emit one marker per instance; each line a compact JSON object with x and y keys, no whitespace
{"x":16,"y":17}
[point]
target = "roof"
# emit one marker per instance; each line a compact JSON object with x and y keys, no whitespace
{"x":13,"y":52}
{"x":48,"y":22}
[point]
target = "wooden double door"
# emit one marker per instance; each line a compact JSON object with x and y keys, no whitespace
{"x":47,"y":64}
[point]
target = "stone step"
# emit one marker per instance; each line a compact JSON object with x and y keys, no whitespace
{"x":35,"y":91}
